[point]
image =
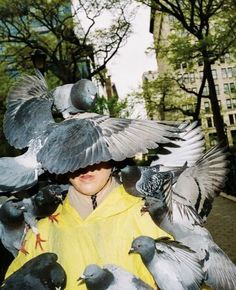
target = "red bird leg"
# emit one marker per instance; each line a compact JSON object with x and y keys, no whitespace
{"x":23,"y":249}
{"x":39,"y":242}
{"x":53,"y":217}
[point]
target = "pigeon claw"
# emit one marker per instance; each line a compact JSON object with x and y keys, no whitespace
{"x":143,"y":210}
{"x":53,"y":217}
{"x":23,"y":249}
{"x":39,"y":242}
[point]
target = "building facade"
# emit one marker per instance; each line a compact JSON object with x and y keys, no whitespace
{"x":224,"y":74}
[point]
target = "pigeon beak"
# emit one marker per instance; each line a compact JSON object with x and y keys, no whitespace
{"x":81,"y":279}
{"x":131,"y":251}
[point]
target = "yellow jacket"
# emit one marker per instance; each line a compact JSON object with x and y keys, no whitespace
{"x":104,"y":237}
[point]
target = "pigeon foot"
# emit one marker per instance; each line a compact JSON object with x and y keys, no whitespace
{"x":53,"y":217}
{"x":39,"y":242}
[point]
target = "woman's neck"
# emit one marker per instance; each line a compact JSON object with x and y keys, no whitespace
{"x":83,"y":203}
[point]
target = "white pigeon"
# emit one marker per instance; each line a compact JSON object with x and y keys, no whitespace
{"x":76,"y":142}
{"x":111,"y":277}
{"x":172,"y":265}
{"x":185,"y":207}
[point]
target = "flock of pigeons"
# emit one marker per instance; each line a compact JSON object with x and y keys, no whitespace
{"x":178,"y":188}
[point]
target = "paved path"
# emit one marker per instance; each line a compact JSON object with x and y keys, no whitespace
{"x":222,"y":225}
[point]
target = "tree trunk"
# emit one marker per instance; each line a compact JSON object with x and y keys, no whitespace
{"x":218,"y":120}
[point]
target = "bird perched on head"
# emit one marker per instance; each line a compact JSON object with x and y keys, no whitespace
{"x":76,"y":142}
{"x":111,"y":277}
{"x":73,"y":98}
{"x":42,"y":204}
{"x":42,"y":273}
{"x":190,"y":201}
{"x":12,"y":226}
{"x":172,"y":264}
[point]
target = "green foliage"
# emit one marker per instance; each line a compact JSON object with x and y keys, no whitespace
{"x":111,"y":106}
{"x":52,"y":27}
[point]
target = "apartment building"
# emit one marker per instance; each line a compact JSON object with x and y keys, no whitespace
{"x":224,"y":74}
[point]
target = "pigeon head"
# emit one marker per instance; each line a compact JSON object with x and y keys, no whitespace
{"x":145,"y":246}
{"x":58,"y":277}
{"x":83,"y":95}
{"x":130,"y":175}
{"x":11,"y":212}
{"x":96,"y":277}
{"x":48,"y":195}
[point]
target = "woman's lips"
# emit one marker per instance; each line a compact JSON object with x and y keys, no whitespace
{"x":86,"y":177}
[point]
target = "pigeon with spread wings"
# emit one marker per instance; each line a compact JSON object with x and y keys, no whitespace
{"x":189,"y":203}
{"x":76,"y":142}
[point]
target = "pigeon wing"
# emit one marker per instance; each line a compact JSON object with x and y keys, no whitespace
{"x":127,"y":137}
{"x":190,"y":148}
{"x":19,"y":173}
{"x":181,"y":261}
{"x":28,"y":110}
{"x":73,"y":144}
{"x":88,"y":139}
{"x":198,"y":185}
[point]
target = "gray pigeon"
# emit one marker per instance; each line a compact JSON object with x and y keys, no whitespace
{"x":190,"y":201}
{"x":146,"y":180}
{"x":111,"y":277}
{"x":12,"y":226}
{"x":74,"y":98}
{"x":81,"y":140}
{"x":42,"y":273}
{"x":172,"y":265}
{"x":194,"y":187}
{"x":42,"y":204}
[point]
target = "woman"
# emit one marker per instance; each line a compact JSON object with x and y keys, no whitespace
{"x":96,"y":225}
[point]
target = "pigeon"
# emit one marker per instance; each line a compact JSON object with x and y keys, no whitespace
{"x":42,"y":204}
{"x":42,"y":272}
{"x":172,"y":264}
{"x":111,"y":277}
{"x":74,"y":98}
{"x":183,"y":216}
{"x":12,"y":226}
{"x":195,"y":186}
{"x":79,"y":141}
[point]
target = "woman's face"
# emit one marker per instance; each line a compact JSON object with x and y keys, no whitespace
{"x":91,"y":179}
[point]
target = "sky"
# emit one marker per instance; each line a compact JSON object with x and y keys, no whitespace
{"x":128,"y":65}
{"x":126,"y":68}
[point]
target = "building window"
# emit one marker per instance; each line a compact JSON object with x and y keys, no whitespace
{"x":232,"y":87}
{"x":186,"y":78}
{"x":226,"y":89}
{"x":228,"y":104}
{"x":209,"y":123}
{"x":205,"y":91}
{"x":207,"y":107}
{"x":201,"y":75}
{"x":192,"y":77}
{"x":233,"y":101}
{"x":231,"y":119}
{"x":213,"y":139}
{"x":233,"y":134}
{"x":224,"y":73}
{"x":214,"y":74}
{"x":230,"y":72}
{"x":217,"y":89}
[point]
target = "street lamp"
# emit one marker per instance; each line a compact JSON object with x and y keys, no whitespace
{"x":38,"y":58}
